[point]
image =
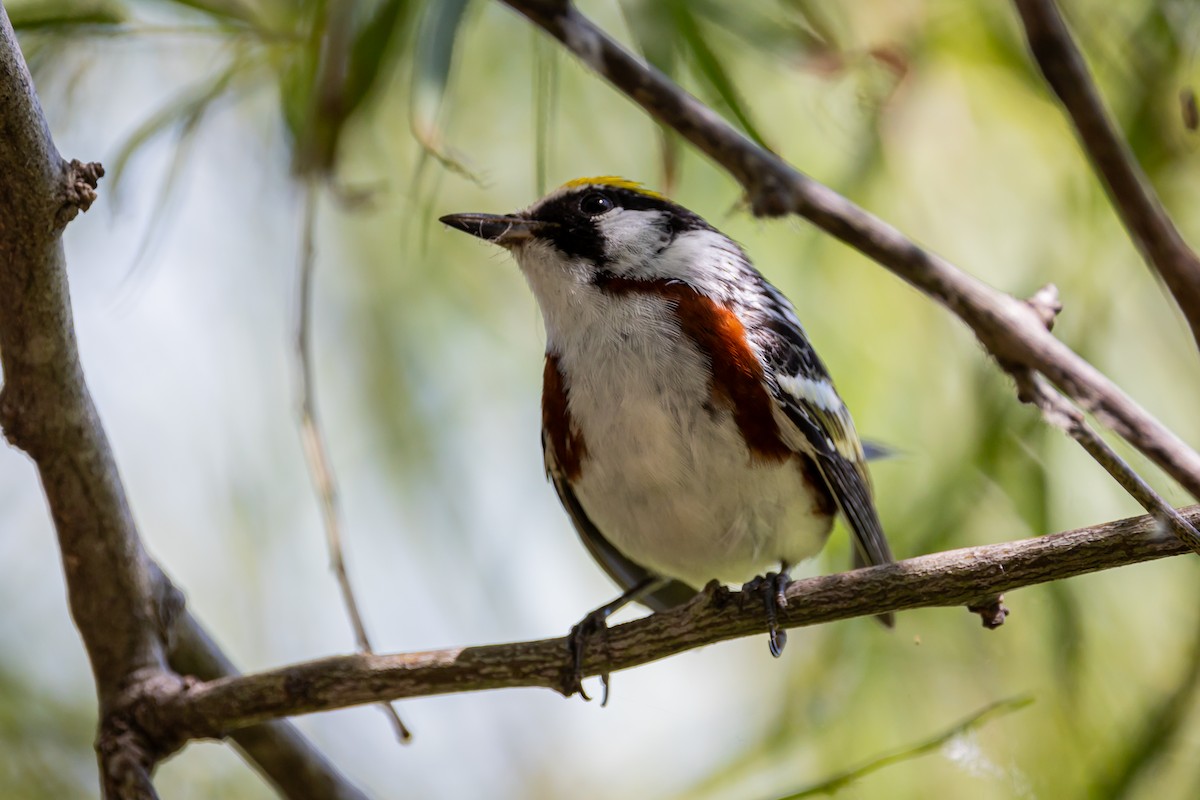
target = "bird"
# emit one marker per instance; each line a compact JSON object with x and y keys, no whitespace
{"x":689,"y":427}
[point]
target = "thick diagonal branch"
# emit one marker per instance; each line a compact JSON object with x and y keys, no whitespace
{"x":1156,"y":237}
{"x":125,"y":608}
{"x":113,"y":589}
{"x":1009,"y":328}
{"x":951,"y":578}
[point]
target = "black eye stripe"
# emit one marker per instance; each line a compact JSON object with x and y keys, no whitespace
{"x":577,"y":234}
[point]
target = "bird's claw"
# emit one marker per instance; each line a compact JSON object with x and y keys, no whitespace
{"x":577,"y":639}
{"x":772,"y":587}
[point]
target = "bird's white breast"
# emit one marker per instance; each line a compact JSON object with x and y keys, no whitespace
{"x":667,"y":477}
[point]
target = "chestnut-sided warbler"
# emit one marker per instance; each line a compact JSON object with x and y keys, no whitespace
{"x":688,"y":426}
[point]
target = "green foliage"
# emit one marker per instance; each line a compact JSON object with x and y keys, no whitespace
{"x":709,"y":67}
{"x":433,"y":57}
{"x":369,"y":55}
{"x":183,"y":114}
{"x":223,"y":11}
{"x":32,"y":15}
{"x":842,"y":780}
{"x":44,"y":742}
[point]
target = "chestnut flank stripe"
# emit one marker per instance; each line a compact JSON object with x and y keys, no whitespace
{"x":563,"y":437}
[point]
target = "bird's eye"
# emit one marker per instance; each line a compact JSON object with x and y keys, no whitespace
{"x":595,"y":203}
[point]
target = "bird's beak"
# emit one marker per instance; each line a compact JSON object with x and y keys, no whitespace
{"x":502,"y":229}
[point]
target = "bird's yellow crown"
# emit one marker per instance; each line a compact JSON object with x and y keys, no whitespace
{"x":615,"y":181}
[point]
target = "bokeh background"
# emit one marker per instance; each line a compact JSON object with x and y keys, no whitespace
{"x":428,"y":363}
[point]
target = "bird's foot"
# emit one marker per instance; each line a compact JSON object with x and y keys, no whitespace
{"x":597,"y":623}
{"x":772,"y":587}
{"x":594,"y":623}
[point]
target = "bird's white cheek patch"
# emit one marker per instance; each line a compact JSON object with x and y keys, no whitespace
{"x":630,"y":237}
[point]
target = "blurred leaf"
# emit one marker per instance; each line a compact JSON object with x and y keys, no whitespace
{"x":432,"y":60}
{"x":185,"y":111}
{"x":1152,"y":59}
{"x":768,"y":28}
{"x":652,"y":25}
{"x":44,"y":740}
{"x":296,"y":79}
{"x":333,"y":74}
{"x":657,"y":39}
{"x":159,"y":222}
{"x":545,"y":96}
{"x":65,"y":13}
{"x":1066,"y":633}
{"x":323,"y":102}
{"x":1002,"y":429}
{"x":391,"y":374}
{"x":712,"y":71}
{"x":369,"y":53}
{"x":843,"y":779}
{"x":1139,"y":751}
{"x":818,"y":24}
{"x":223,"y":10}
{"x":670,"y":148}
{"x":185,"y":115}
{"x":994,"y":40}
{"x":1021,"y":471}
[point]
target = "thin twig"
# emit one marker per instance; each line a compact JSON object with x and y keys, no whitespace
{"x":1148,"y":223}
{"x":951,"y":578}
{"x":1059,"y":412}
{"x":1010,"y":329}
{"x":843,"y":779}
{"x":316,"y":454}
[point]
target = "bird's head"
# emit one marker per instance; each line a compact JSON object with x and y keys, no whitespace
{"x":590,"y":244}
{"x":596,"y":229}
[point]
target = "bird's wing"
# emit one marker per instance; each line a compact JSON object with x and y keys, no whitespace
{"x":626,"y":573}
{"x":815,"y":421}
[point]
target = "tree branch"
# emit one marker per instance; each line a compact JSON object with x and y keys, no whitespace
{"x":123,"y":605}
{"x":952,"y":578}
{"x":1059,"y":412}
{"x":1148,"y":223}
{"x":282,"y":755}
{"x":1009,"y":328}
{"x":45,"y":410}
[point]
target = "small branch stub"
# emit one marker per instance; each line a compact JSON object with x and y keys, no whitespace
{"x":991,"y":610}
{"x":1046,"y":303}
{"x":79,"y":189}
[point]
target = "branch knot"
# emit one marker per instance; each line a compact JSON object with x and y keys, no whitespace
{"x":79,"y":189}
{"x":1046,"y":303}
{"x":132,"y":740}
